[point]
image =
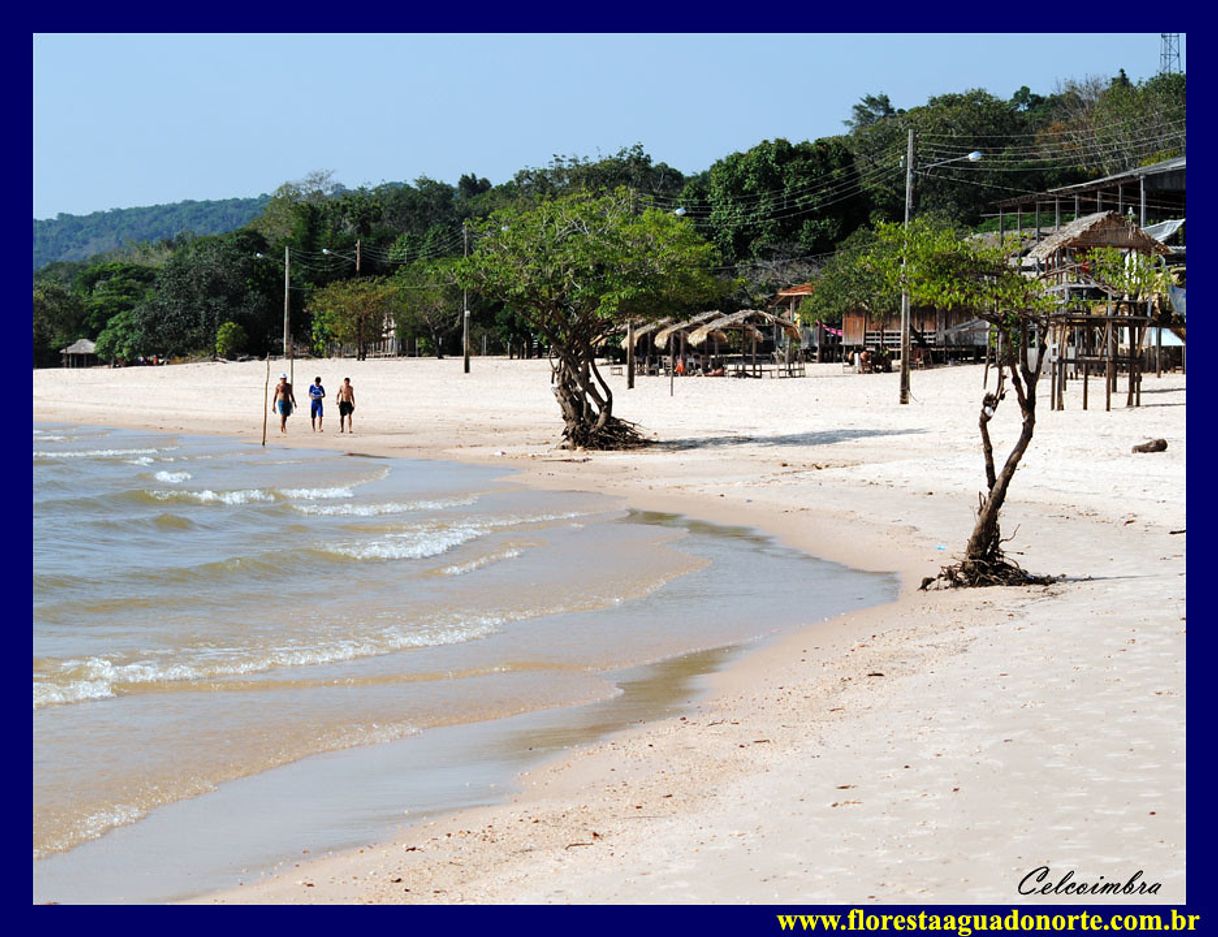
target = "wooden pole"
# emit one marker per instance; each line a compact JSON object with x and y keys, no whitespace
{"x":266,"y":393}
{"x":1110,"y":369}
{"x":287,"y":313}
{"x":630,"y":355}
{"x":1086,"y":373}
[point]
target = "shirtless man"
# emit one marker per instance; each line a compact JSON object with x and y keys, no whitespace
{"x":284,"y":402}
{"x":346,"y":405}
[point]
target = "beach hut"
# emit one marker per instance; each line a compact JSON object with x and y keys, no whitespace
{"x":750,"y":323}
{"x":80,"y":354}
{"x":1090,"y":338}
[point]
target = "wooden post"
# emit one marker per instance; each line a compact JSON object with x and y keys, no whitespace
{"x":630,"y":355}
{"x":1110,"y":353}
{"x":266,"y":393}
{"x":1159,"y":351}
{"x":1086,"y":373}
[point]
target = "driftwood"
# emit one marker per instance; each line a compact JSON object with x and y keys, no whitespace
{"x":1155,"y":445}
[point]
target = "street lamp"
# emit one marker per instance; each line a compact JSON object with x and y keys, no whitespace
{"x":972,"y":157}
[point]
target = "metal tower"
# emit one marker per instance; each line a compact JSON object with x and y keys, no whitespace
{"x":1169,"y":53}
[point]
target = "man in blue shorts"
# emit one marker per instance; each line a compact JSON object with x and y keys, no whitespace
{"x":284,"y":402}
{"x":316,"y":393}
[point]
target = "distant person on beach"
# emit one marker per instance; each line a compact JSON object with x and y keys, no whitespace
{"x":346,"y":405}
{"x":284,"y":402}
{"x":316,"y":414}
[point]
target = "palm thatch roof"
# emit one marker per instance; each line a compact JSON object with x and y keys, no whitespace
{"x":747,"y":321}
{"x":642,"y":331}
{"x":687,"y":325}
{"x":1101,"y":229}
{"x":81,"y":347}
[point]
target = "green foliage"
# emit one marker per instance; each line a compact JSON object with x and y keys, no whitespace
{"x":111,"y":287}
{"x":429,"y":302}
{"x":58,"y":321}
{"x":121,"y":339}
{"x":352,"y":311}
{"x":782,"y":198}
{"x":576,"y":266}
{"x":854,"y":278}
{"x":231,"y":340}
{"x":1133,"y":277}
{"x":209,"y":281}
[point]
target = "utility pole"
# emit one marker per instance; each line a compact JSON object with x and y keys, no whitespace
{"x":287,"y":313}
{"x":909,"y":171}
{"x":465,"y":300}
{"x":359,"y":338}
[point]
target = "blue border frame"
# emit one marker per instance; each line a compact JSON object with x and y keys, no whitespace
{"x":544,"y":16}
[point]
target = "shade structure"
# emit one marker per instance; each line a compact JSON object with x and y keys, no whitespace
{"x":747,"y":321}
{"x":686,"y":325}
{"x":642,"y":331}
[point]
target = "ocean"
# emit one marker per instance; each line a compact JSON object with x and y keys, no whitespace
{"x":214,"y":618}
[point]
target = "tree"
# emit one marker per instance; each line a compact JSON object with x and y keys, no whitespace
{"x":946,"y":270}
{"x":353,"y":312}
{"x":111,"y":287}
{"x":575,"y":268}
{"x":853,"y":278}
{"x":231,"y":340}
{"x":779,"y":199}
{"x":58,"y":321}
{"x":429,"y":301}
{"x":121,"y":338}
{"x":209,"y":281}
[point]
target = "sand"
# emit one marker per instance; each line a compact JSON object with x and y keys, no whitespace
{"x":937,"y":749}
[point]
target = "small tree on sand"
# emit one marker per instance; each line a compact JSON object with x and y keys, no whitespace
{"x":946,"y":270}
{"x":353,"y":311}
{"x":575,"y":268}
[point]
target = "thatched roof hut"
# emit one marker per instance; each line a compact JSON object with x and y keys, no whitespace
{"x":747,"y":321}
{"x":686,"y":326}
{"x":80,"y":354}
{"x":1102,"y":229}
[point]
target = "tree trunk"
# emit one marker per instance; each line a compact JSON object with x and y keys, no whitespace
{"x":586,"y":403}
{"x":984,"y":563}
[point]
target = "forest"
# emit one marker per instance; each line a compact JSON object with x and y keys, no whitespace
{"x":206,"y":279}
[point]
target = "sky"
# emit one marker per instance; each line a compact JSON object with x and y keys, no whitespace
{"x":129,"y":120}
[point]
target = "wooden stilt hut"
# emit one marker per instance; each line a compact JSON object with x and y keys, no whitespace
{"x":1090,"y":339}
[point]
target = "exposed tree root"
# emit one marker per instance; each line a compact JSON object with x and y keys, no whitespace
{"x":995,"y":570}
{"x":615,"y":434}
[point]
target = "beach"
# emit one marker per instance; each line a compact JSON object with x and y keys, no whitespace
{"x":940,"y":748}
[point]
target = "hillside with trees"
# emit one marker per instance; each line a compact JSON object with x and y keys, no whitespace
{"x":80,"y":237}
{"x":781,"y":212}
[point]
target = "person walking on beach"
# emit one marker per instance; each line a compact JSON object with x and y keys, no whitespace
{"x":316,"y":414}
{"x":346,"y":405}
{"x":284,"y":402}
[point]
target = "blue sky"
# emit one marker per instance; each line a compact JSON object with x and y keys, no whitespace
{"x":127,"y":120}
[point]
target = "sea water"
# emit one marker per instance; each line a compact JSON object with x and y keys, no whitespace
{"x":213,"y":617}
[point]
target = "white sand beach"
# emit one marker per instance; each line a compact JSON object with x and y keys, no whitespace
{"x":937,"y":749}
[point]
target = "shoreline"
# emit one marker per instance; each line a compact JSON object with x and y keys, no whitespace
{"x":776,"y":732}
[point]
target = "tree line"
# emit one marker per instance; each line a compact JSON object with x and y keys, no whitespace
{"x":770,"y":216}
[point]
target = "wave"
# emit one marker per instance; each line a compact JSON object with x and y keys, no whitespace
{"x":376,"y":510}
{"x":207,"y":496}
{"x":173,"y":477}
{"x":317,"y":494}
{"x":460,"y":569}
{"x":95,"y":678}
{"x":409,"y":545}
{"x":93,"y":453}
